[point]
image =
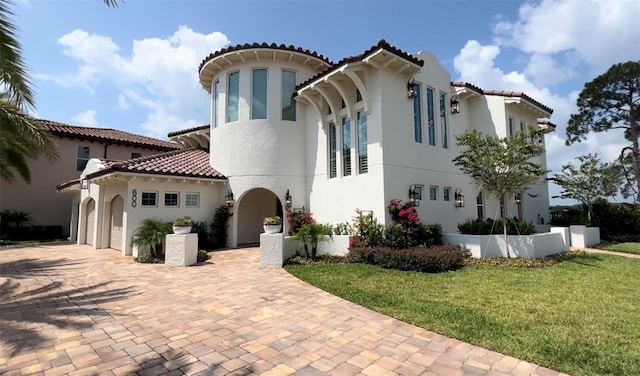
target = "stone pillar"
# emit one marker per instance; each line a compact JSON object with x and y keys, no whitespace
{"x":271,"y":250}
{"x":181,"y":250}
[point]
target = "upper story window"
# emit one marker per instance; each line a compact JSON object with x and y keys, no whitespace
{"x":216,"y":104}
{"x":522,"y":126}
{"x":431,"y":118}
{"x":480,"y":205}
{"x":288,"y":90}
{"x":333,"y":150}
{"x":511,"y":125}
{"x":233,"y":96}
{"x":346,"y":146}
{"x":433,"y":192}
{"x":417,"y":112}
{"x":259,"y":94}
{"x":443,"y":120}
{"x":82,"y":157}
{"x":171,"y":199}
{"x":446,"y":193}
{"x":363,"y":157}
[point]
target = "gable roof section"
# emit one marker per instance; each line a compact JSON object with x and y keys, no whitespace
{"x":502,"y":93}
{"x":188,"y":130}
{"x":192,"y":163}
{"x":381,"y":45}
{"x":106,"y":135}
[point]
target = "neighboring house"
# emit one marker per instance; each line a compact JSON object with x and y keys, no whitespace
{"x":75,"y":145}
{"x":289,"y":128}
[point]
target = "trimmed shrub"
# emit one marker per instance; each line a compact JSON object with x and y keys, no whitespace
{"x":147,"y":258}
{"x":515,"y":226}
{"x":203,"y":255}
{"x":418,"y":259}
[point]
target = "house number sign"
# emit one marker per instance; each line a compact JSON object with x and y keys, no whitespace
{"x":134,"y":198}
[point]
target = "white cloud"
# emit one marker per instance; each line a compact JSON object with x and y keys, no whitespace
{"x":158,"y":74}
{"x":87,"y":118}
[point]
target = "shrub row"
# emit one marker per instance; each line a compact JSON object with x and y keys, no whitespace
{"x":515,"y":226}
{"x":418,"y":259}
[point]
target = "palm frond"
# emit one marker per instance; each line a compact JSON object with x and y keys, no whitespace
{"x":13,"y":70}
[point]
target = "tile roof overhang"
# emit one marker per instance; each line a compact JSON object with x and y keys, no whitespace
{"x":193,"y":137}
{"x":242,"y":53}
{"x":546,"y":125}
{"x":325,"y":84}
{"x":69,"y":186}
{"x":106,"y":135}
{"x":190,"y":164}
{"x":465,"y":89}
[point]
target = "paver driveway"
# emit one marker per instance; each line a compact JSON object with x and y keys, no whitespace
{"x":67,"y":309}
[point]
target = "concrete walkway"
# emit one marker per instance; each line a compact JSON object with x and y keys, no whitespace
{"x":602,"y":251}
{"x":67,"y":309}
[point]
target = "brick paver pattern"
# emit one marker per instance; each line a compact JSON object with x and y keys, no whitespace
{"x":68,"y":309}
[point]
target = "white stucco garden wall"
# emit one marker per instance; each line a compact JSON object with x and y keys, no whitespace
{"x":525,"y":246}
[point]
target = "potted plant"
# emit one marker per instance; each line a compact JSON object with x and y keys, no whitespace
{"x":272,"y":225}
{"x":182,"y":225}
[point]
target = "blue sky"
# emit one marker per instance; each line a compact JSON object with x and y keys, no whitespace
{"x":135,"y":67}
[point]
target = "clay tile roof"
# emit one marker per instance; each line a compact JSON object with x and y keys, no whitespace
{"x":68,"y":184}
{"x":503,"y":93}
{"x":106,"y":135}
{"x":546,"y":122}
{"x":189,"y":130}
{"x":185,"y":163}
{"x":352,"y":59}
{"x":273,"y":46}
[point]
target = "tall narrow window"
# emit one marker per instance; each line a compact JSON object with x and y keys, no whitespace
{"x":433,"y":192}
{"x":82,"y":157}
{"x":443,"y":120}
{"x":511,"y":126}
{"x":480,"y":205}
{"x":346,"y":146}
{"x":233,"y":96}
{"x":259,"y":94}
{"x":446,"y":193}
{"x":216,"y":104}
{"x":431,"y":118}
{"x":288,"y":89}
{"x":417,"y":113}
{"x":522,"y":127}
{"x":363,"y":157}
{"x":333,"y":150}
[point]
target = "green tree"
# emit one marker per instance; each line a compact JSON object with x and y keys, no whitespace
{"x":501,"y":166}
{"x":589,"y":181}
{"x":612,"y":101}
{"x":21,"y":137}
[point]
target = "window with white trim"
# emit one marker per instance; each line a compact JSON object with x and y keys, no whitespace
{"x":192,"y":200}
{"x":480,"y":205}
{"x":82,"y":157}
{"x":418,"y":189}
{"x":522,"y":127}
{"x":446,"y":193}
{"x":433,"y":192}
{"x":417,"y":112}
{"x":171,"y":199}
{"x":443,"y":120}
{"x":149,"y":199}
{"x":333,"y":150}
{"x":363,"y":156}
{"x":431,"y":117}
{"x":288,"y":89}
{"x":216,"y":104}
{"x":346,"y":146}
{"x":233,"y":96}
{"x":259,"y":93}
{"x":511,"y":125}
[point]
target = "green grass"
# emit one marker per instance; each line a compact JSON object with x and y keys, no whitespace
{"x":624,"y":247}
{"x":581,"y":316}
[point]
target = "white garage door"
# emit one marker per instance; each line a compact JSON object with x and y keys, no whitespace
{"x":115,"y":240}
{"x":91,"y":217}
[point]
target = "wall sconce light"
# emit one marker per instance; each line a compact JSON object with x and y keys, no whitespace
{"x":518,"y":198}
{"x":414,"y":196}
{"x":455,"y":105}
{"x":458,"y":198}
{"x":84,"y":184}
{"x":287,"y":200}
{"x":228,"y":199}
{"x":411,"y":89}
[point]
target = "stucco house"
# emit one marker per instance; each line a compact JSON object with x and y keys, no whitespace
{"x":75,"y":145}
{"x":290,"y":128}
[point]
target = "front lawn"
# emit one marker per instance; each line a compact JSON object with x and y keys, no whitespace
{"x":624,"y":247}
{"x":581,"y":316}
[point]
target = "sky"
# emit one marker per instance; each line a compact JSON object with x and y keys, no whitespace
{"x":134,"y":67}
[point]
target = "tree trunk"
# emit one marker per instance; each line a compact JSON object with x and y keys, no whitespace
{"x":634,"y":134}
{"x":504,"y":224}
{"x":306,"y":250}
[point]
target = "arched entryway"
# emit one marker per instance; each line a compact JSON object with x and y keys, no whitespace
{"x":90,"y":221}
{"x":253,"y":207}
{"x":115,"y":223}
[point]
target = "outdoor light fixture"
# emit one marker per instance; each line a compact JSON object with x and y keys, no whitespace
{"x":458,"y":198}
{"x":414,"y":196}
{"x":455,"y":105}
{"x":411,"y":89}
{"x":228,"y":199}
{"x":287,"y":200}
{"x":84,"y":184}
{"x":518,"y":198}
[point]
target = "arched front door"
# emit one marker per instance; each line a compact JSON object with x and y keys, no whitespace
{"x":253,"y":207}
{"x":115,"y":225}
{"x":90,"y":221}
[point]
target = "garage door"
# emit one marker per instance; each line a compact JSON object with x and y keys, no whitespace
{"x":91,"y":217}
{"x":115,"y":240}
